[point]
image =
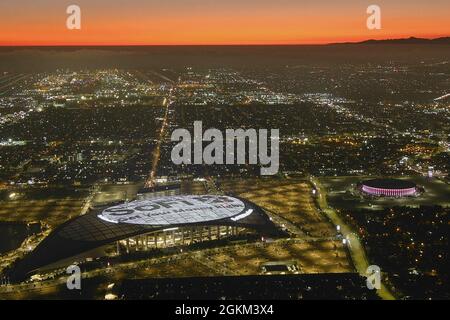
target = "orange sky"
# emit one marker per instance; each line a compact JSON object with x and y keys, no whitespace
{"x":159,"y":22}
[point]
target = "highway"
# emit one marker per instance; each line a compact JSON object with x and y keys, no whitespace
{"x":357,"y":252}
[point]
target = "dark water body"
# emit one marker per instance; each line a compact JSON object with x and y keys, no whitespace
{"x":13,"y":234}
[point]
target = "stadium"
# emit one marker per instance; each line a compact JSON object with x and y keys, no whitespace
{"x":389,"y":188}
{"x":148,"y":224}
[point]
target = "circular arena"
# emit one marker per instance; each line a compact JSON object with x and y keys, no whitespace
{"x":389,"y":188}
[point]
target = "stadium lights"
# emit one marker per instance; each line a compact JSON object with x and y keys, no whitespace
{"x":170,"y":229}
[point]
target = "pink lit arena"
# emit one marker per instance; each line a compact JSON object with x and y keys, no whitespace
{"x":389,"y":188}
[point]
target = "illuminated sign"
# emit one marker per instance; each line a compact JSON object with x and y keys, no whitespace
{"x":175,"y":210}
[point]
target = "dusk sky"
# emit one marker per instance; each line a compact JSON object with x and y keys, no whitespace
{"x":159,"y":22}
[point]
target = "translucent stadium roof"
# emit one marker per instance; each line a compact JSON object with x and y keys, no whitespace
{"x":174,"y":210}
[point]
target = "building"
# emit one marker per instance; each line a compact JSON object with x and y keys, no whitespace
{"x":389,"y":188}
{"x":146,"y":224}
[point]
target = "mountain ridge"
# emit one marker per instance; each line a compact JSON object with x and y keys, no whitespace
{"x":410,"y":40}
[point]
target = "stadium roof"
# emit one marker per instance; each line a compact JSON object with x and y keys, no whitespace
{"x":174,"y":210}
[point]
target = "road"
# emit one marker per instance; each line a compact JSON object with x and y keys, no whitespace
{"x":157,"y":153}
{"x":89,"y":199}
{"x":357,"y":252}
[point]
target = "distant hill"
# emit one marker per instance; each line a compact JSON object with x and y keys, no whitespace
{"x":411,"y":40}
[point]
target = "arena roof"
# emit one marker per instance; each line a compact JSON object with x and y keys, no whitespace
{"x":394,"y":184}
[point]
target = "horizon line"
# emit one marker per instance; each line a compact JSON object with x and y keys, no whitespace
{"x":212,"y":45}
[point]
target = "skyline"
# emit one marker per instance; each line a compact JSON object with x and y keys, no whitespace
{"x":206,"y":22}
